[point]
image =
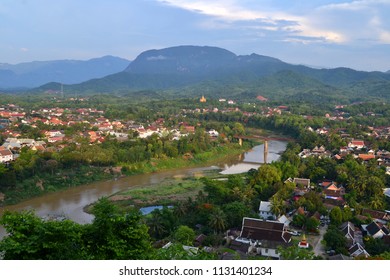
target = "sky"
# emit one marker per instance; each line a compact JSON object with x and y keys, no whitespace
{"x":317,"y":33}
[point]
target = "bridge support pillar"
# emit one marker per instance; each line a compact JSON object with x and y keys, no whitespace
{"x":265,"y":151}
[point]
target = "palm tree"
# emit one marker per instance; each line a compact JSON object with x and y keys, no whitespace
{"x":377,"y":202}
{"x":180,"y":210}
{"x":277,"y":206}
{"x":155,"y":223}
{"x":217,"y":220}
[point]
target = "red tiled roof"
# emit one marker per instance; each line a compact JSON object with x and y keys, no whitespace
{"x":5,"y":152}
{"x":326,"y":184}
{"x":357,"y":143}
{"x":261,"y":98}
{"x":366,"y":156}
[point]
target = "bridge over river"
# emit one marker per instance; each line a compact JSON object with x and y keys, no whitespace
{"x":264,"y":139}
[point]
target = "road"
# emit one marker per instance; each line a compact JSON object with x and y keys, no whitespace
{"x":319,"y":249}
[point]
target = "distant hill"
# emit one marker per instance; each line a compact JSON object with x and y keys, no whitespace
{"x":189,"y":60}
{"x":189,"y":70}
{"x":34,"y":74}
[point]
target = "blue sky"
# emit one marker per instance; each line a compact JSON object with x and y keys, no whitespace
{"x":320,"y":33}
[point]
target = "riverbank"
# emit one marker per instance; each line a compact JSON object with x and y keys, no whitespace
{"x":65,"y":179}
{"x":214,"y":155}
{"x":42,"y":184}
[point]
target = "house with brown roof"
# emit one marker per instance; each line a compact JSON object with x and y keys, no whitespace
{"x":302,"y":182}
{"x":330,"y":203}
{"x":56,"y":139}
{"x":326,"y":183}
{"x":188,"y":128}
{"x":6,"y":155}
{"x":333,"y":191}
{"x":378,"y":216}
{"x":40,"y":148}
{"x":264,"y":237}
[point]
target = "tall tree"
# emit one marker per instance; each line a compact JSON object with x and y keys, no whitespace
{"x":217,"y":220}
{"x":335,"y":240}
{"x":156,"y":225}
{"x":295,"y":253}
{"x":336,"y":216}
{"x":278,"y":205}
{"x":113,"y":235}
{"x":184,"y":235}
{"x":30,"y":237}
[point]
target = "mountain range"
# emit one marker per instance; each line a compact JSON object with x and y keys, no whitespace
{"x":192,"y":70}
{"x":37,"y":73}
{"x":197,"y":70}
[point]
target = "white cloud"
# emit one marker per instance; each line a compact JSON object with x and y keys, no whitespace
{"x":385,"y":37}
{"x":232,"y":12}
{"x":24,"y":49}
{"x":356,"y":5}
{"x":369,"y":17}
{"x":353,"y":21}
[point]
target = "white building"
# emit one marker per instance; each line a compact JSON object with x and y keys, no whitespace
{"x":265,"y":211}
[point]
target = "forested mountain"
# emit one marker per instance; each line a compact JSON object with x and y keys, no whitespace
{"x":34,"y":74}
{"x":216,"y":71}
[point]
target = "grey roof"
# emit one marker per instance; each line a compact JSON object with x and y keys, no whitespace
{"x":265,"y":206}
{"x":26,"y":141}
{"x":12,"y":145}
{"x":358,"y":250}
{"x":239,"y":246}
{"x":339,"y":257}
{"x":348,"y":229}
{"x":283,"y":219}
{"x":373,"y":228}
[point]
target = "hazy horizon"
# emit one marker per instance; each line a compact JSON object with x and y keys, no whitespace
{"x":322,"y":34}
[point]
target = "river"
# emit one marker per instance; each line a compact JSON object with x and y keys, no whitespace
{"x":71,"y":202}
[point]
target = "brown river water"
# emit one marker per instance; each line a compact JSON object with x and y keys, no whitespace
{"x":71,"y":202}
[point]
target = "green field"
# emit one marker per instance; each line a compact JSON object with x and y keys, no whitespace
{"x":167,"y":192}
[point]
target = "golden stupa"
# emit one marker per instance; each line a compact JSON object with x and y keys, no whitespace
{"x":303,"y":243}
{"x":203,"y":100}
